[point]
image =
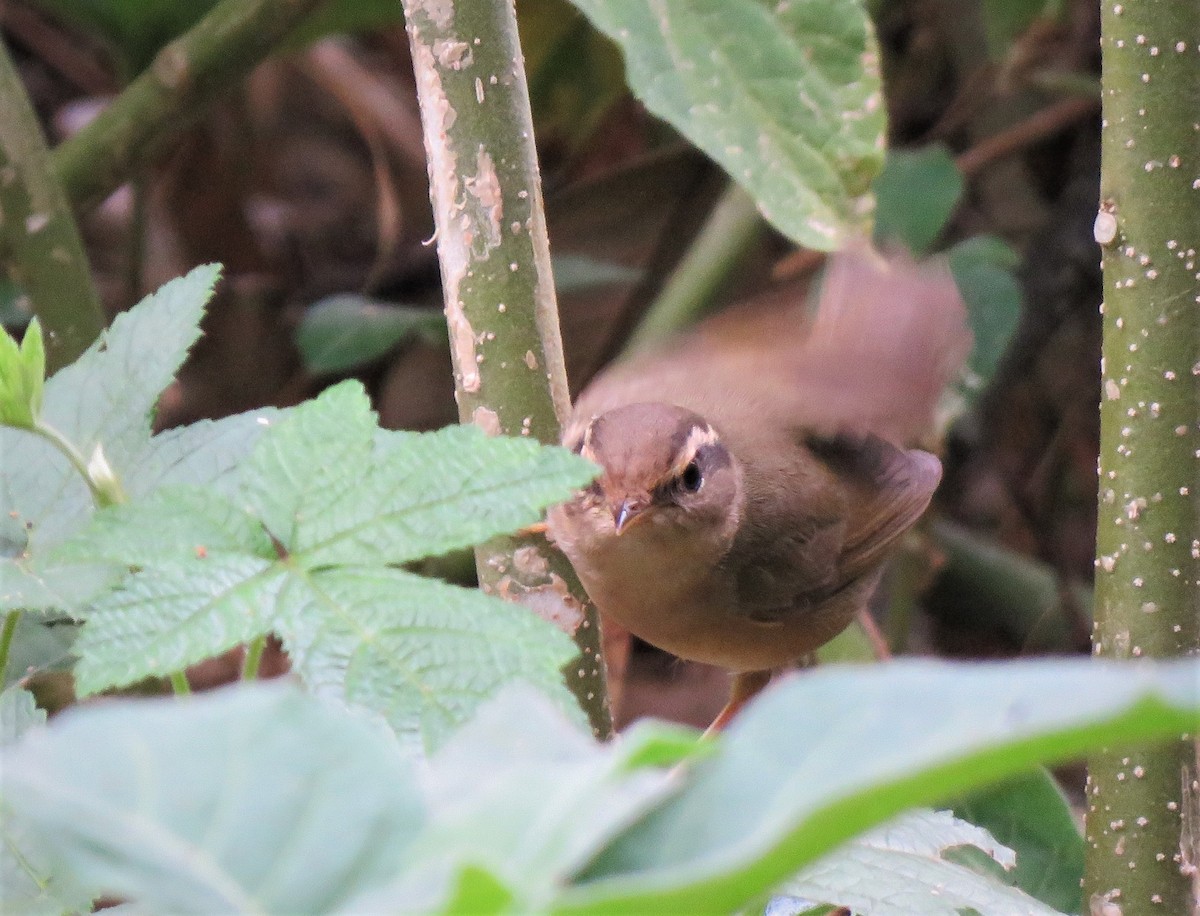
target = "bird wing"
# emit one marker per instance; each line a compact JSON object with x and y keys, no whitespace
{"x":833,"y":525}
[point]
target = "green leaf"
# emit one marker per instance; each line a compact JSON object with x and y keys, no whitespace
{"x":915,"y":194}
{"x":18,"y":714}
{"x":983,"y":268}
{"x":785,"y":96}
{"x":177,"y":614}
{"x":820,"y":758}
{"x":1029,"y":813}
{"x":255,"y":799}
{"x":29,"y":888}
{"x":422,"y":653}
{"x":342,"y":333}
{"x":39,"y":645}
{"x":22,"y":373}
{"x":306,"y":546}
{"x":550,"y":799}
{"x":106,"y":398}
{"x":898,"y":869}
{"x":576,"y":273}
{"x":332,"y":488}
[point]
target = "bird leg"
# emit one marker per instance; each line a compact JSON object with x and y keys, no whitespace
{"x":746,"y":686}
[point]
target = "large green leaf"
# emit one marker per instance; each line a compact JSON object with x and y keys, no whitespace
{"x":785,"y":96}
{"x":819,"y":759}
{"x":306,"y":547}
{"x":256,"y":799}
{"x":28,"y":884}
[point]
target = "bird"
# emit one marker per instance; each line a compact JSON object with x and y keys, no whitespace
{"x":755,"y":472}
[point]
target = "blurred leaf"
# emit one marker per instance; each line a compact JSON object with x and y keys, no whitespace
{"x":574,"y":273}
{"x":915,"y":194}
{"x":341,"y":333}
{"x":817,"y":759}
{"x":984,"y":269}
{"x":39,"y":645}
{"x":1029,"y":814}
{"x":340,"y":17}
{"x":15,"y":307}
{"x":899,"y":869}
{"x":27,"y":883}
{"x":255,"y":799}
{"x":575,"y":73}
{"x":551,"y":799}
{"x":786,"y":97}
{"x":328,"y":504}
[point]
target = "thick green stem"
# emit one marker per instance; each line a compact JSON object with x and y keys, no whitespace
{"x":1148,"y":542}
{"x":499,"y":292}
{"x":173,"y":93}
{"x":40,"y":248}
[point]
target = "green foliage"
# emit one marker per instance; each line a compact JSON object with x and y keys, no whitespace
{"x":983,"y":268}
{"x":340,"y":333}
{"x":260,"y":799}
{"x":1029,"y":813}
{"x":786,"y":97}
{"x":915,"y":194}
{"x":22,"y":372}
{"x":135,"y":30}
{"x":288,"y":522}
{"x":900,"y":868}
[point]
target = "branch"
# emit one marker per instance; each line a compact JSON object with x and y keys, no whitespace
{"x":187,"y":76}
{"x":499,"y":292}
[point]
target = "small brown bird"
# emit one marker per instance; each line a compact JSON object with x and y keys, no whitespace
{"x":753,"y":476}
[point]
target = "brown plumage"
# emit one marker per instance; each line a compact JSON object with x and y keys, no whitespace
{"x":754,"y":474}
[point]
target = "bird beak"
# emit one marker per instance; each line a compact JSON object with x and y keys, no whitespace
{"x":626,"y":512}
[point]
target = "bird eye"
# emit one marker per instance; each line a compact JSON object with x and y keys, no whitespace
{"x":691,"y":479}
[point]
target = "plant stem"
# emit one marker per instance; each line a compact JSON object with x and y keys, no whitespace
{"x":499,"y":292}
{"x":40,"y":247}
{"x":102,"y":495}
{"x":187,"y":76}
{"x":11,"y":619}
{"x":732,"y":228}
{"x":179,"y":683}
{"x":1148,"y":540}
{"x":254,"y":654}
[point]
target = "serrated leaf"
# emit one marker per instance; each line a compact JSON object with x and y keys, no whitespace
{"x":170,"y":525}
{"x":332,"y":488}
{"x":173,"y":615}
{"x":824,"y":756}
{"x":422,"y":653}
{"x":785,"y":96}
{"x":106,"y":399}
{"x":1030,"y":814}
{"x":255,"y":799}
{"x":915,"y":195}
{"x":898,"y":869}
{"x":341,"y":333}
